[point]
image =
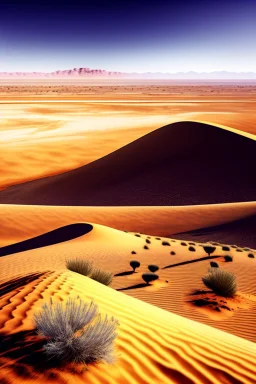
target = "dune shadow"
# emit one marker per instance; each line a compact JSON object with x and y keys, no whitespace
{"x":191,"y":261}
{"x":19,"y":282}
{"x":25,"y":348}
{"x":124,"y":273}
{"x":141,"y":285}
{"x":59,"y":235}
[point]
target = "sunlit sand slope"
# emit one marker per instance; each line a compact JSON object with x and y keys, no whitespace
{"x":182,"y":163}
{"x":19,"y":222}
{"x":180,"y":270}
{"x":153,"y":346}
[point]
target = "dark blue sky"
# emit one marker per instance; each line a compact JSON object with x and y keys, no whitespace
{"x":167,"y":36}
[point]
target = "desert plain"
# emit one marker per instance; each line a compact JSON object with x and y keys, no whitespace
{"x":115,"y":172}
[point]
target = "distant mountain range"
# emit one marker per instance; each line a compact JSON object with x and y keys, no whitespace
{"x":100,"y":73}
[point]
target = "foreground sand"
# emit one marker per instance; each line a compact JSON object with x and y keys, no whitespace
{"x":111,"y":250}
{"x":153,"y":346}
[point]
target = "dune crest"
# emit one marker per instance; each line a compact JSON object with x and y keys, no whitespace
{"x":188,"y":162}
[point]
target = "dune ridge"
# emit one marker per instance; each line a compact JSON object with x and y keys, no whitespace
{"x":152,"y":345}
{"x":158,"y":221}
{"x":188,"y":162}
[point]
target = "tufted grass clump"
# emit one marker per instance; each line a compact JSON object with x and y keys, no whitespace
{"x":149,"y":276}
{"x":76,"y":332}
{"x":221,"y":282}
{"x":101,"y":276}
{"x":209,"y":249}
{"x":84,"y":267}
{"x":213,"y":264}
{"x":228,"y":258}
{"x":134,"y":264}
{"x":153,"y":268}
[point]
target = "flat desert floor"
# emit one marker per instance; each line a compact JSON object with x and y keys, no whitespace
{"x":179,"y":179}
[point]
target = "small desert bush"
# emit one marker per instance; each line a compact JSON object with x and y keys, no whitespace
{"x":84,"y":267}
{"x":239,"y":250}
{"x":166,"y":243}
{"x":209,"y":249}
{"x":76,"y":332}
{"x":247,"y":249}
{"x":251,"y":255}
{"x":101,"y":276}
{"x":191,"y":249}
{"x":134,"y":264}
{"x":183,"y":243}
{"x":148,"y":241}
{"x":172,"y":253}
{"x":153,"y":267}
{"x":146,"y":247}
{"x":191,"y":243}
{"x":225,"y":248}
{"x":228,"y":258}
{"x":158,"y":238}
{"x":133,"y":253}
{"x":221,"y":282}
{"x":148,"y":277}
{"x":137,"y":235}
{"x":213,"y":264}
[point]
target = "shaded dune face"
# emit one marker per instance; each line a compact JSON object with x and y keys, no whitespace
{"x":56,"y":236}
{"x":240,"y":231}
{"x":183,"y":163}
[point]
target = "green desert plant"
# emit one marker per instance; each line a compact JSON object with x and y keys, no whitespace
{"x":134,"y":264}
{"x":221,"y":282}
{"x":148,"y":277}
{"x":251,"y":255}
{"x":228,"y":258}
{"x":166,"y":243}
{"x":213,"y":264}
{"x":76,"y":332}
{"x":209,"y":249}
{"x":84,"y":267}
{"x":153,"y":267}
{"x":191,"y":249}
{"x":101,"y":276}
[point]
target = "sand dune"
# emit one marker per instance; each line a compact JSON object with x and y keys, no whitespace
{"x":20,"y":222}
{"x":242,"y":230}
{"x":180,"y":164}
{"x":180,"y":273}
{"x":153,"y":346}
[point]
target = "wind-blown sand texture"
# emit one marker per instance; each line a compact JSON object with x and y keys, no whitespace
{"x":157,"y":198}
{"x":152,"y":345}
{"x":111,"y":250}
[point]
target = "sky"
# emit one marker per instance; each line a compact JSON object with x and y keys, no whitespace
{"x":127,"y":35}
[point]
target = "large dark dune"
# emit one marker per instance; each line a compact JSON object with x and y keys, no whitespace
{"x":241,"y":232}
{"x":180,"y":164}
